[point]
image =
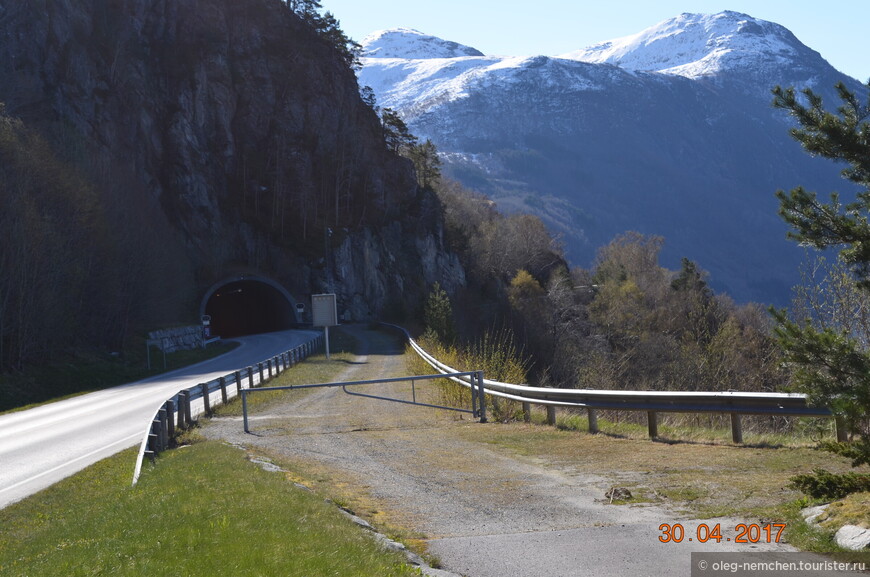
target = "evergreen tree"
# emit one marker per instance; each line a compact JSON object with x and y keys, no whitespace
{"x":396,"y":132}
{"x":328,"y":27}
{"x":368,"y":96}
{"x":426,"y":162}
{"x":690,"y":278}
{"x":438,"y":316}
{"x":831,"y":366}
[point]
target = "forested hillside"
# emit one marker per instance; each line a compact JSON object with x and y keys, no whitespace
{"x":625,"y":323}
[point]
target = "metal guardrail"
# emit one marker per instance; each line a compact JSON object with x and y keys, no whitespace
{"x":180,"y":411}
{"x":734,"y":404}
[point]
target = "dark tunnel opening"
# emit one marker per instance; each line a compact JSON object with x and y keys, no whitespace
{"x":247,"y":307}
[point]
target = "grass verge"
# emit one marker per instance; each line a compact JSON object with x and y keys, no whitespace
{"x":202,"y":510}
{"x":345,"y":345}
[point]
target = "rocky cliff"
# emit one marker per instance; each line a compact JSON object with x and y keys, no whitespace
{"x":242,"y":127}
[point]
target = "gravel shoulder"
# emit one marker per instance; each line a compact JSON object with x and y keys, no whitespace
{"x":480,"y":510}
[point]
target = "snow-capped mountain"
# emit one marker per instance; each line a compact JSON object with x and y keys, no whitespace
{"x":667,"y":132}
{"x":408,"y":43}
{"x":698,"y":45}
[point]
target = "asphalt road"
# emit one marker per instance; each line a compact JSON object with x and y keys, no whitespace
{"x":43,"y":445}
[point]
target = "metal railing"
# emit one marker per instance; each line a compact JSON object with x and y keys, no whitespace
{"x":474,"y":379}
{"x":734,"y":404}
{"x":181,"y":410}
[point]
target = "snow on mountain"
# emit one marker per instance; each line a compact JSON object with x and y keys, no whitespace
{"x":412,"y":44}
{"x":669,"y":131}
{"x":412,"y":71}
{"x":416,"y":85}
{"x":697,"y":45}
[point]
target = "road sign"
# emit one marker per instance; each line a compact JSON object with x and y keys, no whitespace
{"x":324,"y":310}
{"x":324,"y":313}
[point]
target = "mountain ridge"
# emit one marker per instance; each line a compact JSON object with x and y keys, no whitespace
{"x":596,"y":149}
{"x":695,"y":45}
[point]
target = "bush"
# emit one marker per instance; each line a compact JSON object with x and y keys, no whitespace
{"x":822,"y":484}
{"x":495,"y":353}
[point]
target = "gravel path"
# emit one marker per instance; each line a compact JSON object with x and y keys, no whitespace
{"x":485,"y":513}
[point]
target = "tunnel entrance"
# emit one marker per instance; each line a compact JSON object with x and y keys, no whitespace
{"x":248,"y":305}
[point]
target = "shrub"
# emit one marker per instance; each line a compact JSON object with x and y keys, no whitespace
{"x":822,"y":484}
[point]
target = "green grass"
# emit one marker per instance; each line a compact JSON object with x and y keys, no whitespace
{"x":201,"y":510}
{"x":708,"y":429}
{"x":83,"y":373}
{"x":819,"y":538}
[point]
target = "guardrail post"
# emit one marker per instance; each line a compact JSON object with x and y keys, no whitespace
{"x":260,"y":368}
{"x":474,"y":410}
{"x":482,"y":396}
{"x":250,"y":377}
{"x":187,"y":416}
{"x":181,"y":418}
{"x":154,"y":438}
{"x":551,"y":415}
{"x":223,"y":384}
{"x":269,"y":367}
{"x":163,"y":434}
{"x":736,"y":429}
{"x":245,"y":409}
{"x":205,"y":401}
{"x":527,"y":412}
{"x":170,"y":418}
{"x":593,"y":420}
{"x":652,"y":420}
{"x":238,"y":375}
{"x":842,"y":429}
{"x":152,"y":445}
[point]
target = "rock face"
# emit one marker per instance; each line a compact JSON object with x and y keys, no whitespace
{"x":243,"y":125}
{"x":853,"y":537}
{"x":176,"y":339}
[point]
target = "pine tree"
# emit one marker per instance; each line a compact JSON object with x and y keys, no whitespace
{"x":426,"y":162}
{"x":396,"y":132}
{"x":438,"y":316}
{"x":830,"y":364}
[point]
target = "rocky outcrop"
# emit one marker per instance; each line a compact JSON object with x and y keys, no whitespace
{"x":242,"y":124}
{"x":368,"y":270}
{"x":853,"y":537}
{"x":176,"y":339}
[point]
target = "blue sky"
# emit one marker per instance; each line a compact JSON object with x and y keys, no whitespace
{"x":835,"y":28}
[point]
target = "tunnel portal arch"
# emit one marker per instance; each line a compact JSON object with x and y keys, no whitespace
{"x":248,"y":304}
